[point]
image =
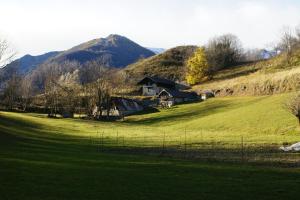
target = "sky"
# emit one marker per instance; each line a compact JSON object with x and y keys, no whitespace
{"x":38,"y":26}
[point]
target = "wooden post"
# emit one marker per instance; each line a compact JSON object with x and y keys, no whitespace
{"x":163,"y":150}
{"x":117,"y":138}
{"x":242,"y":145}
{"x":102,"y":142}
{"x":123,"y":141}
{"x":185,"y":142}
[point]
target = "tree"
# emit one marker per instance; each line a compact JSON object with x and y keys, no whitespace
{"x":287,"y":42}
{"x":51,"y":97}
{"x":6,"y":52}
{"x":197,"y":67}
{"x":294,"y":106}
{"x":12,"y":92}
{"x":224,"y":51}
{"x":25,"y":93}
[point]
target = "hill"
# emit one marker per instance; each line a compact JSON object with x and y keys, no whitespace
{"x":169,"y":64}
{"x":112,"y":51}
{"x":265,"y":77}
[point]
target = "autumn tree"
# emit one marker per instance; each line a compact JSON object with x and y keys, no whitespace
{"x":197,"y":67}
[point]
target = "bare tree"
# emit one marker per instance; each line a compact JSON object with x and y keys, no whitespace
{"x":6,"y":52}
{"x":298,"y":32}
{"x":25,"y":93}
{"x":12,"y":92}
{"x":223,"y":51}
{"x":288,"y":42}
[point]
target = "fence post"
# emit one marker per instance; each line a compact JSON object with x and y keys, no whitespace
{"x":185,"y":142}
{"x":102,"y":142}
{"x":163,"y":147}
{"x":242,"y":145}
{"x":123,"y":141}
{"x":117,"y":138}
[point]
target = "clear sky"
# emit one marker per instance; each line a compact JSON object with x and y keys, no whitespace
{"x":38,"y":26}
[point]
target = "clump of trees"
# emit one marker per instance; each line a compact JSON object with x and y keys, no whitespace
{"x":220,"y":53}
{"x":289,"y":42}
{"x":224,"y":51}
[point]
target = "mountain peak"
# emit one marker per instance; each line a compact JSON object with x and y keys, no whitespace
{"x":114,"y":36}
{"x":112,"y":51}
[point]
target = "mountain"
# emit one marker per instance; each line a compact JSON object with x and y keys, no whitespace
{"x":27,"y":63}
{"x":156,"y":50}
{"x":170,"y":64}
{"x":112,"y":51}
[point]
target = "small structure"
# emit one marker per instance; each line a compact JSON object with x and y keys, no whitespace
{"x":152,"y":86}
{"x":118,"y":108}
{"x":168,"y":98}
{"x":124,"y":106}
{"x":206,"y":95}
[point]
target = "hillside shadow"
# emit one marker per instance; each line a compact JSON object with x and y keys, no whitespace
{"x":18,"y":132}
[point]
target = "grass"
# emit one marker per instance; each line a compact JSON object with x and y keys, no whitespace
{"x":266,"y":77}
{"x":258,"y":83}
{"x":43,"y":158}
{"x":260,"y":120}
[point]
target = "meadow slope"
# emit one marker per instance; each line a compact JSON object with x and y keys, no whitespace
{"x":259,"y":120}
{"x":50,"y":159}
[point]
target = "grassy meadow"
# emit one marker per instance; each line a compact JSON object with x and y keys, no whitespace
{"x":259,"y":120}
{"x":42,"y":158}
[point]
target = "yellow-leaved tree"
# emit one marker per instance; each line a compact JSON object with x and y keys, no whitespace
{"x":197,"y":67}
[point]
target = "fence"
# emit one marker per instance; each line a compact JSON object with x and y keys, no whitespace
{"x":238,"y":149}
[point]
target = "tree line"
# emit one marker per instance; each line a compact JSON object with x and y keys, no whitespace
{"x":63,"y":89}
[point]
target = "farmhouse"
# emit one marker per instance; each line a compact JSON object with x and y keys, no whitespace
{"x":152,"y":86}
{"x":168,"y":98}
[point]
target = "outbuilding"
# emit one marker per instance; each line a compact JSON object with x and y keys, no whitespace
{"x":168,"y":98}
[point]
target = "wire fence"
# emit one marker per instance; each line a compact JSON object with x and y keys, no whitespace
{"x":240,"y":149}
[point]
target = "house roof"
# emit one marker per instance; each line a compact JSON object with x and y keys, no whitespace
{"x":157,"y":80}
{"x":178,"y":94}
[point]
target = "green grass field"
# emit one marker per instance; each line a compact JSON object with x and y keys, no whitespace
{"x":43,"y":158}
{"x":259,"y":120}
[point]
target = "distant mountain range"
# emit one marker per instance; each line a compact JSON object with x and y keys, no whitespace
{"x":112,"y":51}
{"x":156,"y":50}
{"x":27,"y":63}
